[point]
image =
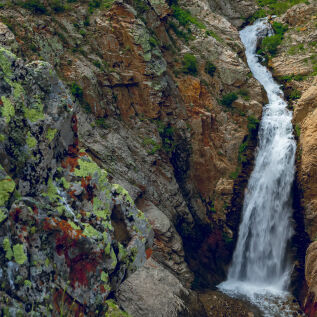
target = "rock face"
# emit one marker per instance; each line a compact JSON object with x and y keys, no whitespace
{"x":67,"y":237}
{"x":295,"y":67}
{"x":149,"y":106}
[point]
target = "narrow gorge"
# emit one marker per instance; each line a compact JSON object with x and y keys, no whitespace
{"x":148,"y":156}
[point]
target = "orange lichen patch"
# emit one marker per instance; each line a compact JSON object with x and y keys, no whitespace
{"x":71,"y":162}
{"x":68,"y":232}
{"x":61,"y":300}
{"x":148,"y":253}
{"x":89,"y":190}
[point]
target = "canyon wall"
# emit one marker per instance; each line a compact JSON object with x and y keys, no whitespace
{"x":127,"y":137}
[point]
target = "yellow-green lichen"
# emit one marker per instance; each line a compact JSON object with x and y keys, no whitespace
{"x":99,"y":211}
{"x":50,"y":134}
{"x":87,"y":167}
{"x":8,"y":110}
{"x":47,"y":262}
{"x":7,"y":248}
{"x":123,"y":193}
{"x":91,"y":231}
{"x":30,"y":141}
{"x":104,"y":277}
{"x":18,"y":90}
{"x":5,"y":63}
{"x":114,"y":259}
{"x":2,"y":138}
{"x":33,"y":230}
{"x":35,"y":113}
{"x":114,"y":310}
{"x":73,"y":225}
{"x":7,"y":186}
{"x":107,"y":249}
{"x":3,"y":214}
{"x":27,"y":283}
{"x":18,"y":253}
{"x":51,"y":191}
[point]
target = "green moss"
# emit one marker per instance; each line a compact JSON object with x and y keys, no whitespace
{"x":18,"y":90}
{"x":8,"y":110}
{"x":123,"y":193}
{"x":30,"y":141}
{"x":7,"y":248}
{"x":18,"y":253}
{"x":7,"y":186}
{"x":50,"y":134}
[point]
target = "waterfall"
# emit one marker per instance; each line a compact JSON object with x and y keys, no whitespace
{"x":260,"y":264}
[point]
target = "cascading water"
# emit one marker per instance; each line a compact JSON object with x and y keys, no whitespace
{"x":260,"y":266}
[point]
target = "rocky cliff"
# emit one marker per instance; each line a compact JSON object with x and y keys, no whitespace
{"x":127,"y":136}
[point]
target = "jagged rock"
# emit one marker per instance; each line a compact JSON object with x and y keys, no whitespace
{"x":168,"y":296}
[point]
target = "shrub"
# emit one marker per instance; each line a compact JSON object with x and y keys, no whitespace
{"x":295,"y":94}
{"x":35,"y":6}
{"x":270,"y":44}
{"x":244,"y":94}
{"x":77,"y":91}
{"x":57,"y":6}
{"x":185,"y":18}
{"x":228,"y":99}
{"x":190,"y":64}
{"x":297,"y":130}
{"x":210,"y":68}
{"x":253,"y":124}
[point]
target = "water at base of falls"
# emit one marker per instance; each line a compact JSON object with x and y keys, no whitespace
{"x":260,"y":270}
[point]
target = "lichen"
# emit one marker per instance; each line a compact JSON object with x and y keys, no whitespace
{"x":123,"y":193}
{"x":51,"y":191}
{"x":114,"y":310}
{"x":8,"y":110}
{"x":91,"y":231}
{"x":50,"y":134}
{"x":74,"y":226}
{"x":30,"y":141}
{"x":104,"y":277}
{"x":2,"y":138}
{"x":7,"y":248}
{"x":35,"y":113}
{"x":114,"y":259}
{"x":5,"y":63}
{"x":88,"y":168}
{"x":18,"y":253}
{"x":27,"y":283}
{"x":3,"y":215}
{"x":7,"y":186}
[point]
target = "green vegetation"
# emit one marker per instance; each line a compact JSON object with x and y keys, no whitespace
{"x":228,"y":99}
{"x":154,"y":147}
{"x":274,"y":7}
{"x":35,"y":6}
{"x":167,"y":135}
{"x":101,"y":122}
{"x":77,"y":91}
{"x":244,"y":94}
{"x":297,"y":130}
{"x":293,"y":50}
{"x":210,"y":68}
{"x":185,"y":35}
{"x":190,"y":64}
{"x":295,"y":94}
{"x":253,"y":124}
{"x":185,"y":18}
{"x":214,"y":35}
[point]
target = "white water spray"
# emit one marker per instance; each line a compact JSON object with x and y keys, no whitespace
{"x":260,"y":264}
